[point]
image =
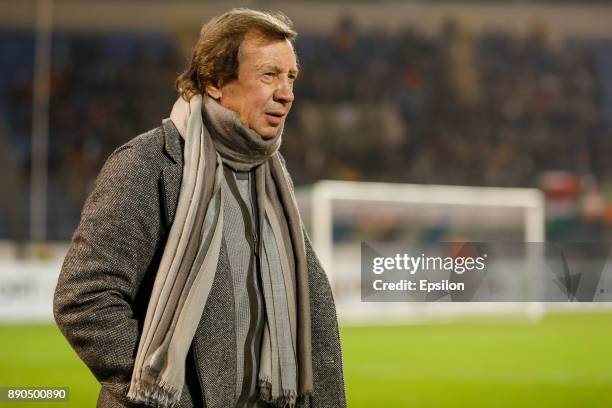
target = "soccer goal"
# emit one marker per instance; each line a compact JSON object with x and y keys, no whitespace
{"x":341,"y":214}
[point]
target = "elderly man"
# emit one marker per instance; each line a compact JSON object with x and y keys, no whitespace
{"x":190,"y":280}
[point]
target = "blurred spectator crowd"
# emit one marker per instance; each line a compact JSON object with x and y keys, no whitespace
{"x":488,"y":108}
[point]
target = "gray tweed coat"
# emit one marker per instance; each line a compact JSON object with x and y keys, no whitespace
{"x":106,"y":279}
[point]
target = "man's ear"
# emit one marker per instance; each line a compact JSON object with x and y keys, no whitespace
{"x":213,"y":92}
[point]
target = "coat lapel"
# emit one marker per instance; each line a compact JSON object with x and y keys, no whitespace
{"x":173,"y":173}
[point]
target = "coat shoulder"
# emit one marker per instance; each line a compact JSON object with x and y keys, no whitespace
{"x":143,"y":156}
{"x":149,"y":144}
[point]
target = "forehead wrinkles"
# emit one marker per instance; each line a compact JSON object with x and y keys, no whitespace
{"x":252,"y":44}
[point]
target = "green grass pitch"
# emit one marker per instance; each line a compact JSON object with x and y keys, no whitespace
{"x":564,"y":361}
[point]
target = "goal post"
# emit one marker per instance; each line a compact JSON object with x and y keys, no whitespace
{"x":319,"y":203}
{"x":325,"y":192}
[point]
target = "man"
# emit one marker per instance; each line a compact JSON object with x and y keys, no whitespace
{"x":190,"y":281}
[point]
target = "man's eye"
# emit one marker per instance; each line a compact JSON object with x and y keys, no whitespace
{"x":269,"y":74}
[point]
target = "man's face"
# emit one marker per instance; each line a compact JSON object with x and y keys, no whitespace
{"x":263,"y":92}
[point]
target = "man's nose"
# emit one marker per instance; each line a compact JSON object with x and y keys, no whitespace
{"x":284,"y":92}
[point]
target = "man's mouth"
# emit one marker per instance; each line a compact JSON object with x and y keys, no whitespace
{"x":275,"y":118}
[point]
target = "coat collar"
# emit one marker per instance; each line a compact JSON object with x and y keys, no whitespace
{"x":172,"y":141}
{"x":172,"y":173}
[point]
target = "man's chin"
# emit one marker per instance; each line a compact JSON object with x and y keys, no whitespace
{"x":268,"y":132}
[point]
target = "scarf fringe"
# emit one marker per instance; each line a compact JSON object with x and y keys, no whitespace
{"x":159,"y":395}
{"x":286,"y":400}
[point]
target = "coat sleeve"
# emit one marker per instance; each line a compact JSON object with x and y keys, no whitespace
{"x":111,"y":250}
